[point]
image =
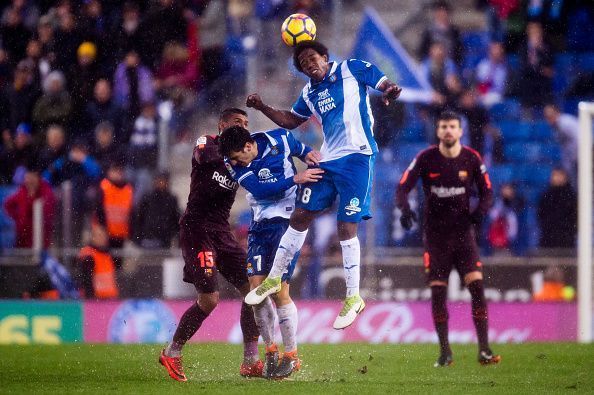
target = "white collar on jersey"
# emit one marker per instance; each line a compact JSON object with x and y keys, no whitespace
{"x":333,"y":67}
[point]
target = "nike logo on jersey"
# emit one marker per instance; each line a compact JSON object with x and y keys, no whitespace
{"x":434,"y":175}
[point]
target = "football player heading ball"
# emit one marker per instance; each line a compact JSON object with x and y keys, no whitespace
{"x":337,"y":95}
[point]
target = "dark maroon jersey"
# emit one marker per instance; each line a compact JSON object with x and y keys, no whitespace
{"x":212,"y":189}
{"x":447,"y":185}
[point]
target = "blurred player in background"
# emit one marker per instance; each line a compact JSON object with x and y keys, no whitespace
{"x":337,"y":95}
{"x":262,"y":163}
{"x":449,"y":171}
{"x":209,"y":247}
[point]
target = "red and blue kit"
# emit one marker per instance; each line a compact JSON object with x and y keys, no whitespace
{"x":448,"y":231}
{"x":207,"y":243}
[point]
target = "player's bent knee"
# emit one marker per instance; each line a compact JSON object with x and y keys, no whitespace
{"x":283,"y":297}
{"x":438,"y":284}
{"x":255,"y":281}
{"x":208,"y":302}
{"x":472,"y":276}
{"x":301,"y":219}
{"x":347,"y":230}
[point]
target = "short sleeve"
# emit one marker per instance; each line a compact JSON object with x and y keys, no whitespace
{"x":300,"y":107}
{"x":366,"y":73}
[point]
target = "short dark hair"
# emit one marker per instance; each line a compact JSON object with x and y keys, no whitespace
{"x":233,"y":139}
{"x":449,"y":115}
{"x":227,"y":112}
{"x":441,"y":4}
{"x":309,"y":44}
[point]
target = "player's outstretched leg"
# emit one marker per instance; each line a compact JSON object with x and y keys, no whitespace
{"x":481,"y":323}
{"x":171,"y":357}
{"x":353,"y":304}
{"x":251,"y":366}
{"x":289,"y":245}
{"x":265,"y":318}
{"x":288,"y":320}
{"x":439,"y":312}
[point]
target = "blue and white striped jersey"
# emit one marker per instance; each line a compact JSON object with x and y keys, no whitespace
{"x":341,"y":103}
{"x":269,"y":177}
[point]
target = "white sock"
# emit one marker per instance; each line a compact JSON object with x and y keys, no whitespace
{"x":265,"y":316}
{"x":288,"y":320}
{"x":289,"y":245}
{"x":351,"y":258}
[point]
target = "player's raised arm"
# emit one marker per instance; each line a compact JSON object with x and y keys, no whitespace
{"x":370,"y":75}
{"x":283,"y":118}
{"x":263,"y":190}
{"x":206,"y":151}
{"x":390,"y":90}
{"x":303,"y":152}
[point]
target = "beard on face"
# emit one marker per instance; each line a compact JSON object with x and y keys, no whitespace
{"x":449,"y":143}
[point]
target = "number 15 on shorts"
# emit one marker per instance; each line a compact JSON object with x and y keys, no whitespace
{"x":206,"y":259}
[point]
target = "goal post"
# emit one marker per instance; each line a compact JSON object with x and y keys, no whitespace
{"x":585,"y":282}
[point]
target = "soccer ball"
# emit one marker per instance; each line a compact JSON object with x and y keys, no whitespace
{"x":297,"y":28}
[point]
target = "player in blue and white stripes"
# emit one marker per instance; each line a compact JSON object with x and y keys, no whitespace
{"x":337,"y":95}
{"x":262,"y":163}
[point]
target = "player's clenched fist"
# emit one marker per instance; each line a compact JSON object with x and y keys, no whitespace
{"x":309,"y":175}
{"x":254,"y":101}
{"x":407,"y":218}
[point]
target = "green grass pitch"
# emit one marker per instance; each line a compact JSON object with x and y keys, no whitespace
{"x":328,"y":369}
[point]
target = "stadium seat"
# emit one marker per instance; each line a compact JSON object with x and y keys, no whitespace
{"x":413,"y":134}
{"x":507,"y":110}
{"x":7,"y":229}
{"x":564,"y":71}
{"x":541,"y":131}
{"x":585,"y":61}
{"x":501,"y":174}
{"x":536,"y":176}
{"x":515,"y":131}
{"x":406,"y":152}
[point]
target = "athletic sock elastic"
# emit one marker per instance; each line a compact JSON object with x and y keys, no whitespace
{"x":289,"y":245}
{"x":439,"y":311}
{"x":188,"y":325}
{"x":479,"y":313}
{"x":351,"y":258}
{"x":265,"y":315}
{"x":250,"y":333}
{"x":288,"y":320}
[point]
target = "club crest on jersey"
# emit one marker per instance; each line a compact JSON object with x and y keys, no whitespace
{"x":201,"y":141}
{"x":264,"y":174}
{"x":323,"y":94}
{"x":274,"y":150}
{"x":463,"y":175}
{"x":250,"y":269}
{"x":353,"y":207}
{"x":230,"y":169}
{"x":332,"y":78}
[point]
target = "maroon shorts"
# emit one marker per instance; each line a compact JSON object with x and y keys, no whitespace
{"x":207,"y":252}
{"x":442,"y":255}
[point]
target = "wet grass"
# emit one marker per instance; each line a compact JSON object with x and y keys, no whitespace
{"x":345,"y":368}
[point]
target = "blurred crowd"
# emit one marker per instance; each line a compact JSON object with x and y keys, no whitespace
{"x":87,"y":86}
{"x":511,"y":81}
